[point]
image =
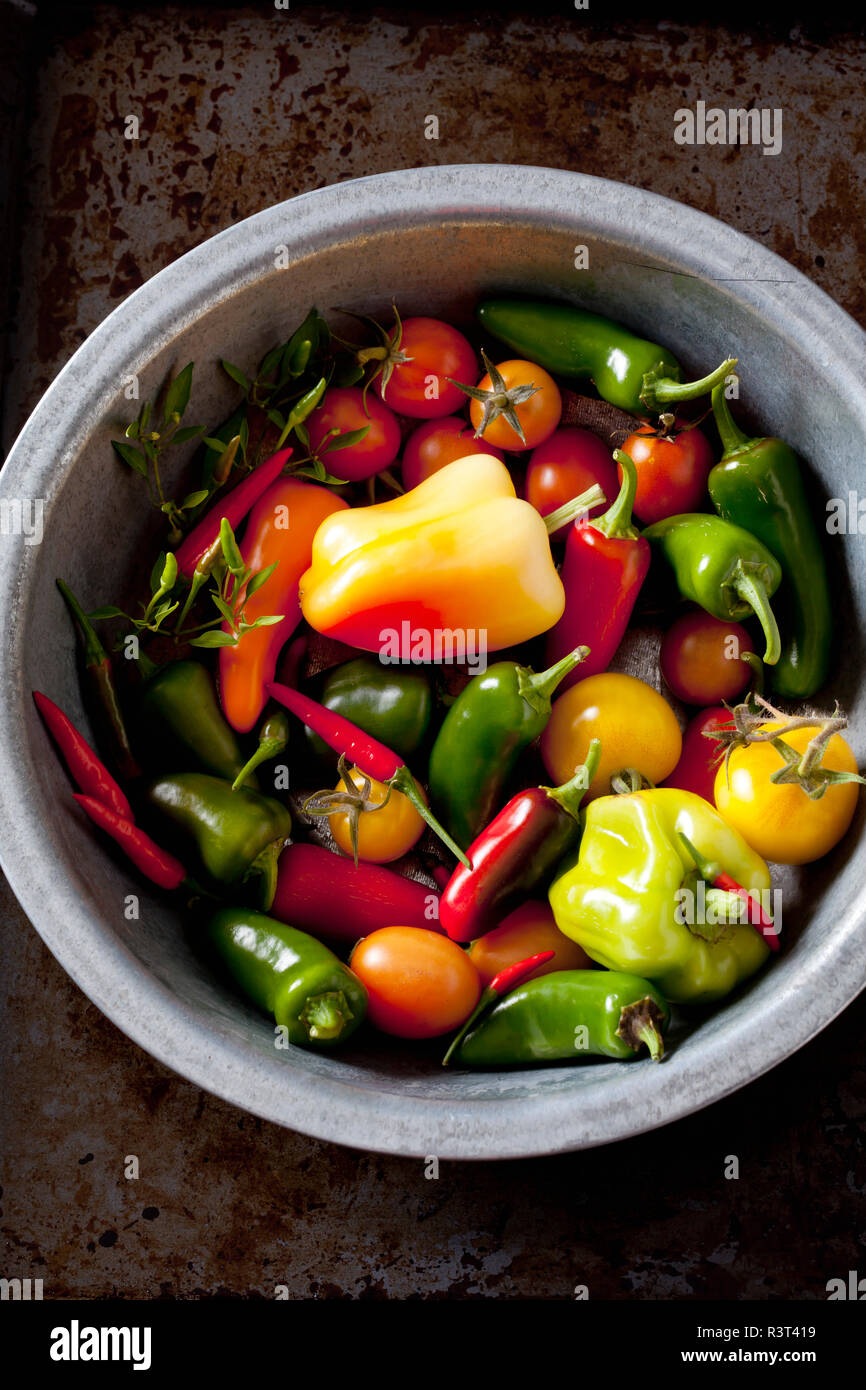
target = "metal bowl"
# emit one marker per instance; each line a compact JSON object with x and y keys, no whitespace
{"x":435,"y":238}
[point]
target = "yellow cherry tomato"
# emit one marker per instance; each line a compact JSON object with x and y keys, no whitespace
{"x":636,"y":725}
{"x":384,"y":833}
{"x":780,"y":821}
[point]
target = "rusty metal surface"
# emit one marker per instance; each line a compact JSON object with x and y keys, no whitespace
{"x":238,"y":109}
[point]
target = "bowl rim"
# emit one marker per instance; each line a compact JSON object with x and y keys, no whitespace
{"x":104,"y":968}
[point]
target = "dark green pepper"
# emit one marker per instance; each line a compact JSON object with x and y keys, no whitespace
{"x":390,"y":703}
{"x":317,"y":999}
{"x":568,"y":1015}
{"x":758,"y":484}
{"x":238,"y":834}
{"x":723,"y":568}
{"x":180,"y":723}
{"x":628,"y":371}
{"x":491,"y":722}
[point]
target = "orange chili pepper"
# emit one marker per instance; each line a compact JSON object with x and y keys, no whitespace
{"x":281,"y":528}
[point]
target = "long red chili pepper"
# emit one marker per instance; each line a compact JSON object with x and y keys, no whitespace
{"x":326,"y":895}
{"x":606,"y":562}
{"x":515,"y":854}
{"x":100,"y":674}
{"x":502,"y":983}
{"x":715,"y":875}
{"x":155,"y":863}
{"x":367,"y":753}
{"x":234,"y":508}
{"x":88,"y":771}
{"x":699,"y":761}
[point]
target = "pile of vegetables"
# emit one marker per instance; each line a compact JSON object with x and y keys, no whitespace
{"x":529,"y":857}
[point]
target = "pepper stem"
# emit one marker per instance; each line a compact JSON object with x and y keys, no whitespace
{"x":536,"y":687}
{"x":658,"y":390}
{"x":405,"y":783}
{"x":731,"y":435}
{"x":488,"y":996}
{"x":571,"y":793}
{"x":707,"y":869}
{"x":753,"y":591}
{"x":569,"y":511}
{"x":617,"y":521}
{"x":641,"y":1023}
{"x":268,"y":748}
{"x":325,"y":1016}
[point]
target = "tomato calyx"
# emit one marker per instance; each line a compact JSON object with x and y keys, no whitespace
{"x":629,"y":780}
{"x":498,"y":398}
{"x":805,"y":769}
{"x":353,"y":801}
{"x":387,"y":352}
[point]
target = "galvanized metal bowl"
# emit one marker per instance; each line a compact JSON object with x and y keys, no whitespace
{"x":435,"y":238}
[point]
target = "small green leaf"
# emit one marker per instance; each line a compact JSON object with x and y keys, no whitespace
{"x":162,"y":612}
{"x":214,"y":639}
{"x":144,"y":417}
{"x":268,"y":366}
{"x":131,"y":456}
{"x":346,"y":440}
{"x":177,"y":395}
{"x":303,"y":435}
{"x":259,"y":579}
{"x":187,"y":432}
{"x":156,"y":572}
{"x":269,"y":620}
{"x":108,"y":611}
{"x":224,"y":608}
{"x":235,"y":373}
{"x":131,"y":430}
{"x":276,"y":419}
{"x":194,"y":499}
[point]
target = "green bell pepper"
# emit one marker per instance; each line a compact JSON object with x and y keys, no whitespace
{"x":758,"y":484}
{"x":723,"y":568}
{"x":630,"y":893}
{"x":494,"y":718}
{"x":238,"y":834}
{"x":628,"y":371}
{"x":568,"y":1015}
{"x":180,"y":724}
{"x":291,"y":975}
{"x":390,"y":703}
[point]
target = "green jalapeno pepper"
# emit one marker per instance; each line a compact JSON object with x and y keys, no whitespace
{"x":389,"y":703}
{"x":569,"y":1015}
{"x":628,"y":371}
{"x":491,"y":722}
{"x":238,"y":834}
{"x":317,"y":999}
{"x":723,"y":568}
{"x":180,"y":723}
{"x":758,"y":484}
{"x":273,"y":740}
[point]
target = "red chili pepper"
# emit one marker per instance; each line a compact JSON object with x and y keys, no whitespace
{"x":514,"y":855}
{"x":606,"y":562}
{"x":506,"y":980}
{"x":326,"y":895}
{"x":715,"y":875}
{"x":234,"y":507}
{"x":88,"y":771}
{"x":155,"y":863}
{"x":367,"y":753}
{"x":696,"y":769}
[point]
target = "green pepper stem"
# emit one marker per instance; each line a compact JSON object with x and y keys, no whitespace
{"x":571,"y":793}
{"x":617,"y":521}
{"x":753,"y":591}
{"x":641,"y":1022}
{"x":268,"y":748}
{"x":649,"y":1034}
{"x":488,"y":997}
{"x":658,"y":391}
{"x":538,"y":686}
{"x":94,"y":652}
{"x":325,"y":1016}
{"x":707,"y":869}
{"x":569,"y":510}
{"x":405,"y":783}
{"x":731,"y":435}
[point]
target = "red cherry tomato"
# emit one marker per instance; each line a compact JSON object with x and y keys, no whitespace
{"x":420,"y":985}
{"x":672,"y":472}
{"x":419,"y":388}
{"x":343,"y":408}
{"x":437,"y":443}
{"x":701,"y":658}
{"x":699,"y":760}
{"x":564,"y":466}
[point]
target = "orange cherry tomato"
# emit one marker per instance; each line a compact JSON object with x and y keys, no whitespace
{"x":529,"y":929}
{"x":701,"y":658}
{"x":439,"y":442}
{"x":421,"y":985}
{"x":384,"y":833}
{"x":539,"y":416}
